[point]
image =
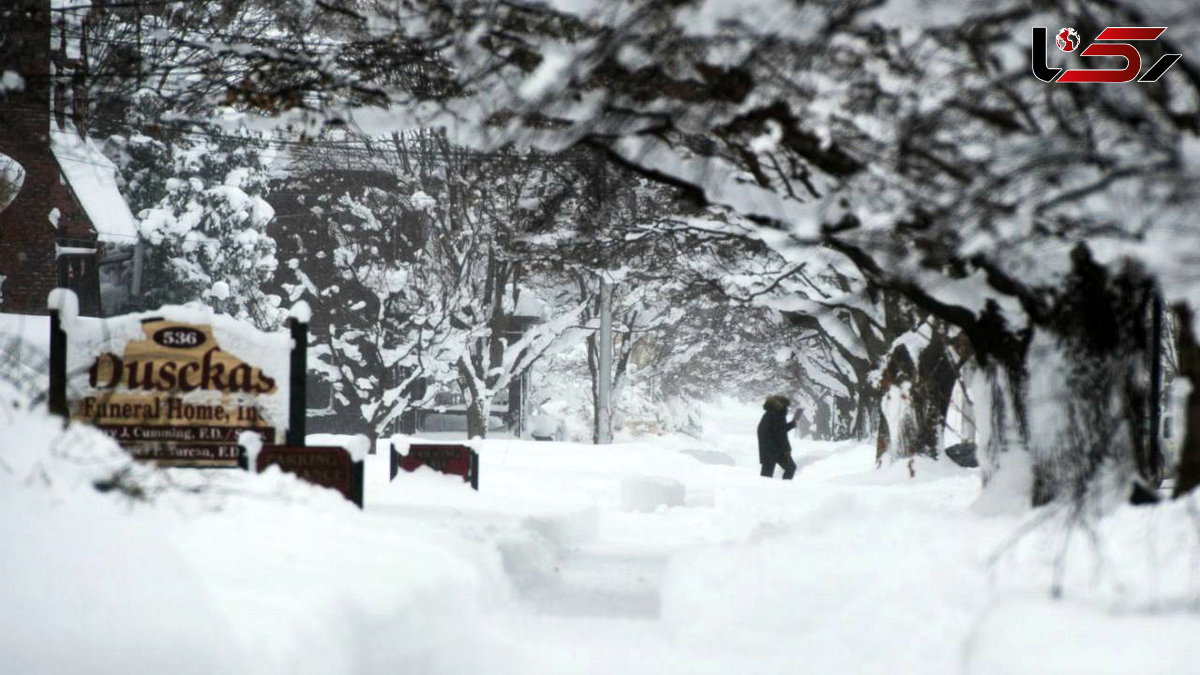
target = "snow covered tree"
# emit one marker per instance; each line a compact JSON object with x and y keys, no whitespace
{"x":490,"y":203}
{"x":640,"y":312}
{"x":887,"y":167}
{"x":412,"y":262}
{"x":381,"y":340}
{"x":916,"y":145}
{"x":145,"y":76}
{"x":201,"y":202}
{"x":173,"y":51}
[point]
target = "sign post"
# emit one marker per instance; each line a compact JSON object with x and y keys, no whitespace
{"x":57,"y":402}
{"x":298,"y":327}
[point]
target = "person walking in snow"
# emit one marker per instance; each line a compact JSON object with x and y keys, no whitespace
{"x":773,"y":445}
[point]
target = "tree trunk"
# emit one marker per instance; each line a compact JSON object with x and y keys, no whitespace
{"x":1144,"y":401}
{"x":866,"y":404}
{"x":1189,"y":367}
{"x":931,"y":393}
{"x":1086,"y":402}
{"x":822,"y":422}
{"x":897,"y":428}
{"x":998,"y":392}
{"x":476,"y":420}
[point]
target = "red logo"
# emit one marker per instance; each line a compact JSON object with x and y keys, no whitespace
{"x":1067,"y":39}
{"x":1112,"y":41}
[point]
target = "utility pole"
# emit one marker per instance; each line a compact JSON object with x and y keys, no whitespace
{"x":603,"y":435}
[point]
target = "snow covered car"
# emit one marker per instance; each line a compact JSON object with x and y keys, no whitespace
{"x":453,"y":420}
{"x":546,"y":427}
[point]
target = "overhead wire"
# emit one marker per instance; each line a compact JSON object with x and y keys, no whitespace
{"x":125,"y":4}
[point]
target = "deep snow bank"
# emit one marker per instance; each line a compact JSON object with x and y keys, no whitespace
{"x":856,"y":570}
{"x":846,"y":569}
{"x":220,"y":571}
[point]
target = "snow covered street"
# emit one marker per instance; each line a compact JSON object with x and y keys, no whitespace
{"x":632,"y":558}
{"x":845,"y":569}
{"x":841,"y":570}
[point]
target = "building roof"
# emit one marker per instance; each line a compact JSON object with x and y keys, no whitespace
{"x":93,"y":179}
{"x":530,"y":306}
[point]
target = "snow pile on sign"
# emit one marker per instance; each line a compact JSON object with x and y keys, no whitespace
{"x":87,"y":339}
{"x":357,"y":445}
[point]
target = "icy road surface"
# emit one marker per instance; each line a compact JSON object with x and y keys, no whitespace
{"x":658,"y":555}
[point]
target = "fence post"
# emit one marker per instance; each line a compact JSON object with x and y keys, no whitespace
{"x":298,"y":325}
{"x":57,"y":401}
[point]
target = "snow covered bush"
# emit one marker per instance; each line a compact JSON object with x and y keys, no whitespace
{"x":200,"y":199}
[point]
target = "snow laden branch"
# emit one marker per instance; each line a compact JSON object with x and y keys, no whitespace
{"x":916,"y":144}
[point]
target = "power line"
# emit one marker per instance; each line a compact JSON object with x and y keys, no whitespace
{"x":73,"y":32}
{"x":127,"y":4}
{"x":384,"y":144}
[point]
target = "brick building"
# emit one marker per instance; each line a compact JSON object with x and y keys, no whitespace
{"x":67,"y":213}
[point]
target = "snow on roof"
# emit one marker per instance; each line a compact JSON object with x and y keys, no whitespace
{"x":529,"y":304}
{"x":93,"y":178}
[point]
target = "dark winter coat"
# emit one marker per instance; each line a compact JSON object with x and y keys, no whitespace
{"x":773,"y":430}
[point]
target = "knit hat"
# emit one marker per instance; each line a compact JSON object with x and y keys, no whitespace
{"x":777,"y":401}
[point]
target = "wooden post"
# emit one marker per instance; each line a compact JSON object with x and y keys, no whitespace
{"x":58,"y":366}
{"x":299,"y":373}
